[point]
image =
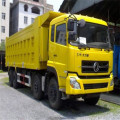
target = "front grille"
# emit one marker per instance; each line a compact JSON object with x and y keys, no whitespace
{"x":94,"y":77}
{"x":95,"y":66}
{"x":95,"y":86}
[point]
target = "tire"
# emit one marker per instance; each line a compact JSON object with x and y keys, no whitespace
{"x":54,"y":95}
{"x":15,"y":83}
{"x":92,"y":100}
{"x":11,"y":78}
{"x":37,"y":87}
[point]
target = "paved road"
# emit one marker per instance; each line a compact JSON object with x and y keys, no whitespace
{"x":20,"y":105}
{"x":3,"y":75}
{"x":111,"y":97}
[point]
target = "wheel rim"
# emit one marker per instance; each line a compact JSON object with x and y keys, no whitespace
{"x":53,"y":93}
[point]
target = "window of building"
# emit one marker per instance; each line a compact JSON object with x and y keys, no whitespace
{"x":2,"y":41}
{"x":61,"y":34}
{"x":52,"y":33}
{"x":36,"y":0}
{"x":25,"y":7}
{"x":25,"y":20}
{"x":20,"y":29}
{"x":3,"y":2}
{"x":3,"y":29}
{"x":3,"y":16}
{"x":32,"y":20}
{"x":35,"y":10}
{"x":41,"y":1}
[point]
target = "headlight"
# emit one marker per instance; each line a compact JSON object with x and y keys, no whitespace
{"x":74,"y":84}
{"x":112,"y":83}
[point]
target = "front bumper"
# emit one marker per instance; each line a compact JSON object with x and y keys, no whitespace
{"x":82,"y":82}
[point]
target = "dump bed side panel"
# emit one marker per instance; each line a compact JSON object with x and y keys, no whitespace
{"x":43,"y":44}
{"x":27,"y":48}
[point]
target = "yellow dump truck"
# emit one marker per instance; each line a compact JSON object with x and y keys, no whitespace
{"x":62,"y":56}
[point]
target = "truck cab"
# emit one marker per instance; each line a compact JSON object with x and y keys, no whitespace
{"x":80,"y":54}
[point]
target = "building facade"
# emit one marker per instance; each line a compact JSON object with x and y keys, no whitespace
{"x":23,"y":13}
{"x":4,"y":19}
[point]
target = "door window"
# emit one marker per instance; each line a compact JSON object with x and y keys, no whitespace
{"x":52,"y":33}
{"x":61,"y":34}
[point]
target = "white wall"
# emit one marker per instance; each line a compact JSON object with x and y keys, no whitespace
{"x":28,"y":14}
{"x":4,"y":9}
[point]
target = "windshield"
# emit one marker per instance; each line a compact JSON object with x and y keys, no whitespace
{"x":92,"y":35}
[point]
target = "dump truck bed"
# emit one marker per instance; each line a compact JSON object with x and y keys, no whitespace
{"x":29,"y":47}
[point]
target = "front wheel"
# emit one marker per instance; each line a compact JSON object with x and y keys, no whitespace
{"x":92,"y":100}
{"x":54,"y":95}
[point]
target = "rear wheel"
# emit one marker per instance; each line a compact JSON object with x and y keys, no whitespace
{"x":37,"y":87}
{"x":15,"y":83}
{"x":54,"y":95}
{"x":92,"y":100}
{"x":11,"y":78}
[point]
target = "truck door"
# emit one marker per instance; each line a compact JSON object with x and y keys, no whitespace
{"x":60,"y":54}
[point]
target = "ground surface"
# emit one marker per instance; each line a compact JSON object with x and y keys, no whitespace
{"x":20,"y":105}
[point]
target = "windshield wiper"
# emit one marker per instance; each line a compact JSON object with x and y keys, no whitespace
{"x":108,"y":49}
{"x":101,"y":47}
{"x":83,"y":46}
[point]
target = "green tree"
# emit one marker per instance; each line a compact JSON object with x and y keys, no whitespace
{"x":2,"y":46}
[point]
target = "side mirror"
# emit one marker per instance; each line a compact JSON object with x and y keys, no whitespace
{"x":72,"y":36}
{"x":70,"y":25}
{"x":81,"y":23}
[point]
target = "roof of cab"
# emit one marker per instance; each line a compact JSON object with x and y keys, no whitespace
{"x":86,"y":18}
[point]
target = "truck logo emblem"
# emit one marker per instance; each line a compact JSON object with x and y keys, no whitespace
{"x":96,"y":67}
